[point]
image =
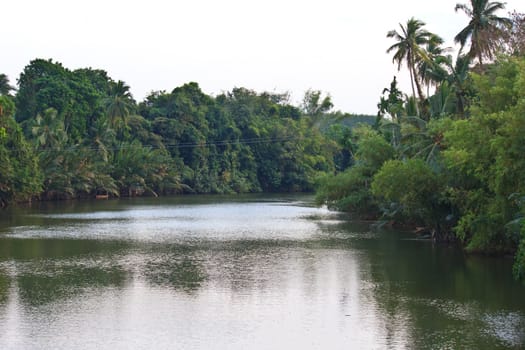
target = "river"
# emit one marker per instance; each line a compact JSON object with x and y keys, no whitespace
{"x":241,"y":272}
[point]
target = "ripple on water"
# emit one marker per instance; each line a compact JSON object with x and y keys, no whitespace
{"x":509,"y":327}
{"x":235,"y":276}
{"x":182,"y":223}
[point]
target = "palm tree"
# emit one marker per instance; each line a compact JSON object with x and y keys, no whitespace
{"x":430,"y":69}
{"x":315,"y":107}
{"x":481,"y":28}
{"x":392,"y":105}
{"x":409,"y":49}
{"x":459,"y":81}
{"x":119,"y":104}
{"x":48,"y":130}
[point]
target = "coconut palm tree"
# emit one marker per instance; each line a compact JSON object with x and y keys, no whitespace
{"x":137,"y":168}
{"x":459,"y":81}
{"x":48,"y":130}
{"x":430,"y":67}
{"x":315,"y":107}
{"x":101,"y":141}
{"x":409,"y":49}
{"x":119,"y":104}
{"x":481,"y":28}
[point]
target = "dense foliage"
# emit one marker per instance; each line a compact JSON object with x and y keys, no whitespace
{"x":19,"y":173}
{"x":72,"y":134}
{"x":454,"y":167}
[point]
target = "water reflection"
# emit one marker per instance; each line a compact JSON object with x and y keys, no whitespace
{"x":4,"y":287}
{"x":61,"y":282}
{"x":446,"y":298}
{"x":35,"y":249}
{"x":212,"y":273}
{"x":174,"y":271}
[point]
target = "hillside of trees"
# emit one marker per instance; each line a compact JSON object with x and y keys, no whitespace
{"x":76,"y":134}
{"x":450,"y":162}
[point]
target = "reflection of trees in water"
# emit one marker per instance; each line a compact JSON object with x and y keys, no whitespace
{"x":38,"y":248}
{"x":4,"y":287}
{"x":243,"y":265}
{"x":238,"y":265}
{"x":34,"y":214}
{"x":61,"y":282}
{"x":46,"y":270}
{"x":433,"y":296}
{"x":175,"y":271}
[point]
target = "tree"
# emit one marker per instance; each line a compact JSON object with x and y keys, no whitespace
{"x":314,"y":106}
{"x":484,"y":161}
{"x":76,"y":96}
{"x":20,"y":177}
{"x":392,"y":105}
{"x":5,"y":88}
{"x":48,"y":130}
{"x":43,"y":84}
{"x":409,"y":48}
{"x":459,"y":79}
{"x":483,"y":24}
{"x":138,"y":169}
{"x":429,"y":68}
{"x":453,"y":92}
{"x":413,"y":188}
{"x":512,"y":40}
{"x":119,"y":104}
{"x":350,"y":190}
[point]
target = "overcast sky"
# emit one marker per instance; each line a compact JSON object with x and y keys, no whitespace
{"x":337,"y":46}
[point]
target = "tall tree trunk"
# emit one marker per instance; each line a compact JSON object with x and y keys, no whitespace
{"x":411,"y":71}
{"x":481,"y":61}
{"x":420,"y":93}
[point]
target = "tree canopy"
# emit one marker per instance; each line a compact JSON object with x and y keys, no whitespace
{"x":89,"y":136}
{"x":450,"y":163}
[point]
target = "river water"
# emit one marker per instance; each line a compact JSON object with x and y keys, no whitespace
{"x":242,"y":272}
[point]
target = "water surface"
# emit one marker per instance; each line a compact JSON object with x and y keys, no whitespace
{"x":243,"y":272}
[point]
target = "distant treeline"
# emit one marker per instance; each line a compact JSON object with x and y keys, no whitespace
{"x":73,"y":134}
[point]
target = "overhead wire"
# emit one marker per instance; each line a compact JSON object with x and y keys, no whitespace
{"x":247,"y":141}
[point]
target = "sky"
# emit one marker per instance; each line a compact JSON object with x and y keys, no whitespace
{"x":335,"y":46}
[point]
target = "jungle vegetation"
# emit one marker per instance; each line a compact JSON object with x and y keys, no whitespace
{"x":450,"y":163}
{"x":74,"y":134}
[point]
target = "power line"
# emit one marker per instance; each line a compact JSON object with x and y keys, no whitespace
{"x":248,"y":141}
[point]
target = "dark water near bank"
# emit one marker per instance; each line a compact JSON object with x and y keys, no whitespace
{"x":244,"y":272}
